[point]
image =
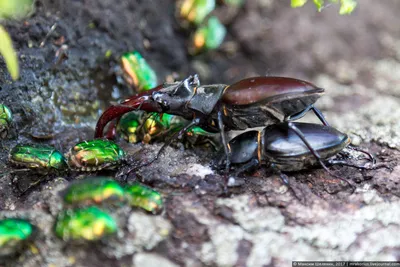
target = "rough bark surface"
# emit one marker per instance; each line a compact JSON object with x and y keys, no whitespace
{"x":257,"y":222}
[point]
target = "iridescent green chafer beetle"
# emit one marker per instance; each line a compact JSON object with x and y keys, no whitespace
{"x":209,"y":36}
{"x":144,"y":197}
{"x":129,"y":125}
{"x":5,"y":120}
{"x":89,"y":223}
{"x":94,"y":190}
{"x":95,"y":155}
{"x":37,"y":157}
{"x":14,"y":233}
{"x":138,"y":72}
{"x":194,"y":11}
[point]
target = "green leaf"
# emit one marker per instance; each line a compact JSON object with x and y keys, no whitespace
{"x":8,"y":53}
{"x":319,"y":4}
{"x":298,"y":3}
{"x":347,"y":6}
{"x":15,"y":9}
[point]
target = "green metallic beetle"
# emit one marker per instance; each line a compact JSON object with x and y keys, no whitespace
{"x":5,"y":120}
{"x":89,"y":224}
{"x":208,"y":37}
{"x":144,"y":197}
{"x":94,"y":190}
{"x":156,"y":127}
{"x":37,"y":157}
{"x":14,"y":233}
{"x":95,"y":155}
{"x":128,"y":126}
{"x":193,"y":12}
{"x":137,"y":72}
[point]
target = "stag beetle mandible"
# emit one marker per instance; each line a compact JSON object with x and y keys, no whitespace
{"x":249,"y":103}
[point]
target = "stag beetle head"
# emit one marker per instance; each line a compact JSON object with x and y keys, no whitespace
{"x":173,"y":97}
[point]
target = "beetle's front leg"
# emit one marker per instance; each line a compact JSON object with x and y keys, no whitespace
{"x":224,"y":143}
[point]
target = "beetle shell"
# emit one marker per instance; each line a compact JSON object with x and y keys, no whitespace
{"x":256,"y":89}
{"x":84,"y":224}
{"x":289,"y":153}
{"x":37,"y":157}
{"x":5,"y":120}
{"x":209,"y":36}
{"x":128,"y":125}
{"x":94,"y":190}
{"x":194,"y":11}
{"x":244,"y":147}
{"x":95,"y":155}
{"x":13,"y":235}
{"x":144,"y":197}
{"x":138,"y":72}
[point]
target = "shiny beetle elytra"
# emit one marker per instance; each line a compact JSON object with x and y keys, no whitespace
{"x":89,"y":224}
{"x":38,"y":157}
{"x":14,"y":234}
{"x":5,"y":120}
{"x":95,"y":155}
{"x":93,"y":190}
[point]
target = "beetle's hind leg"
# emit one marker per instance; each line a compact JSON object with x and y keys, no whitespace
{"x":316,"y":155}
{"x":285,"y":181}
{"x":364,"y":167}
{"x":369,"y":155}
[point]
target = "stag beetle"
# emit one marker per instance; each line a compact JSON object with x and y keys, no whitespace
{"x":290,"y":147}
{"x":249,"y":103}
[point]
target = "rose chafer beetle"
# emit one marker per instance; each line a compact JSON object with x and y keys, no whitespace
{"x":89,"y":224}
{"x":95,"y":155}
{"x":37,"y":157}
{"x":137,"y":71}
{"x":194,"y":11}
{"x":94,"y":190}
{"x":208,"y":37}
{"x":144,"y":197}
{"x":5,"y":120}
{"x":14,"y":234}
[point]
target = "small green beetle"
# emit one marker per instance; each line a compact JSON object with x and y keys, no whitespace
{"x":208,"y":37}
{"x":128,"y":126}
{"x":37,"y":157}
{"x":89,"y":223}
{"x":95,"y":155}
{"x":14,"y":233}
{"x":137,"y":72}
{"x":194,"y":11}
{"x":5,"y":120}
{"x":94,"y":190}
{"x":144,"y":197}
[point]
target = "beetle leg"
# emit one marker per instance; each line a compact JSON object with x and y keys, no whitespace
{"x":224,"y":143}
{"x":345,"y":163}
{"x":299,"y":115}
{"x":315,"y":153}
{"x":285,"y":181}
{"x":320,"y":116}
{"x":247,"y":166}
{"x":370,"y":156}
